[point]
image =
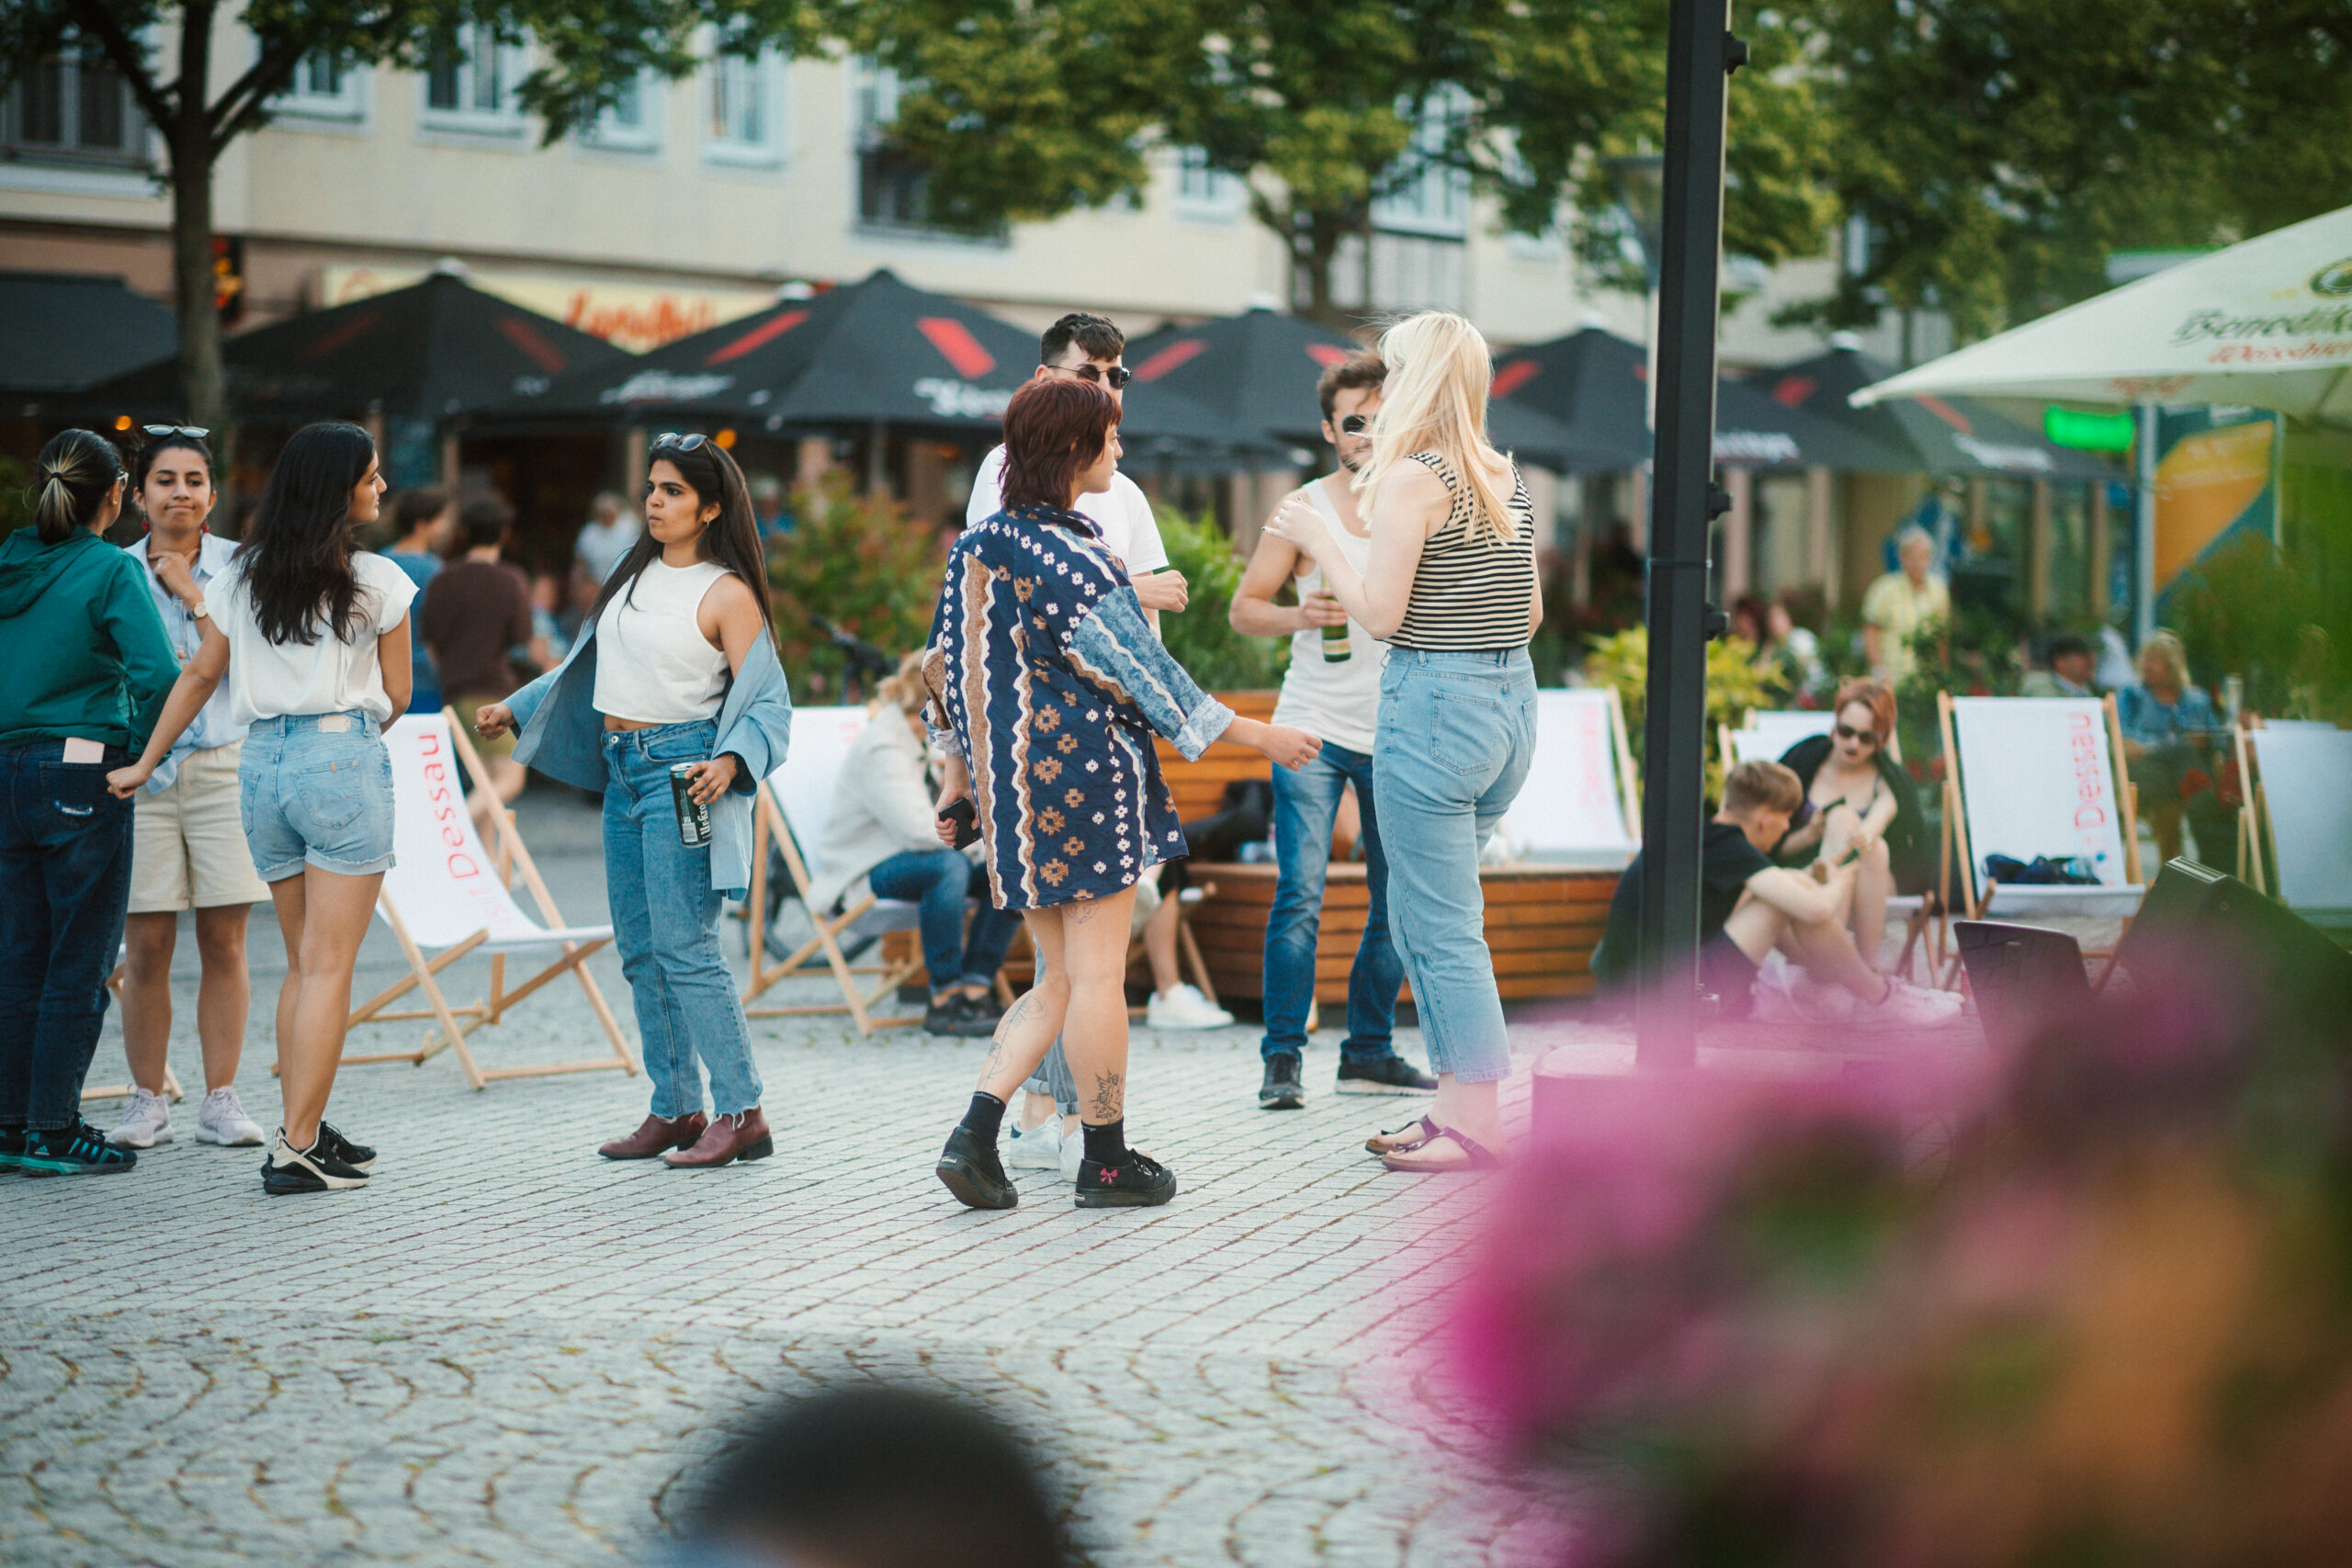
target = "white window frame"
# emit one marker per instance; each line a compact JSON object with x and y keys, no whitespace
{"x":504,"y":122}
{"x":765,"y":72}
{"x":1202,"y":194}
{"x":1436,"y":201}
{"x":873,"y":103}
{"x":133,"y":156}
{"x":348,"y":105}
{"x":607,"y":133}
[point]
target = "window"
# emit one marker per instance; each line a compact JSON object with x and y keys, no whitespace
{"x":72,"y":110}
{"x":895,"y":191}
{"x":745,"y":118}
{"x":631,"y":122}
{"x":1425,"y":195}
{"x":1207,"y":195}
{"x":469,"y":84}
{"x":323,"y":88}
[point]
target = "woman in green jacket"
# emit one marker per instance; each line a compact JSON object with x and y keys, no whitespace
{"x":85,"y":665}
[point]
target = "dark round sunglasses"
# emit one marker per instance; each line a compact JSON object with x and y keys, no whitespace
{"x":1356,"y":425}
{"x":672,"y":439}
{"x":1858,"y":737}
{"x":1118,"y":375}
{"x":199,"y":431}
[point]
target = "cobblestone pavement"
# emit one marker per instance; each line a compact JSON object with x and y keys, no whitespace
{"x":508,"y":1350}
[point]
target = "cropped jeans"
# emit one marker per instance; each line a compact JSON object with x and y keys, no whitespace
{"x":1306,"y":804}
{"x":1456,"y":738}
{"x":64,"y":884}
{"x":665,"y":922}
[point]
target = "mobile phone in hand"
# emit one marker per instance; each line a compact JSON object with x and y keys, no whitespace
{"x":966,"y":819}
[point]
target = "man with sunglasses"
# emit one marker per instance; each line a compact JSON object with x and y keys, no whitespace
{"x":1332,"y":691}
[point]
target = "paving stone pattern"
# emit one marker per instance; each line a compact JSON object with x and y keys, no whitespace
{"x":507,"y":1350}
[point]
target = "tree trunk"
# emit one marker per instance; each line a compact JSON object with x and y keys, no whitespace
{"x":202,"y":384}
{"x":1315,"y":246}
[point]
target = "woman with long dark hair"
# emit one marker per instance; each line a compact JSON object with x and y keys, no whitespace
{"x":674,"y":675}
{"x":83,"y":667}
{"x":311,"y":633}
{"x":1047,"y":686}
{"x":188,"y":838}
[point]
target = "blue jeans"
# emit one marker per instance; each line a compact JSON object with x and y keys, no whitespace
{"x":1456,"y":737}
{"x":940,"y":880}
{"x":665,"y":921}
{"x":312,"y":796}
{"x":1306,"y":804}
{"x":64,"y":884}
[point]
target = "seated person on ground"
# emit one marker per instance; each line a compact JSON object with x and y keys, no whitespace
{"x":1748,"y":906}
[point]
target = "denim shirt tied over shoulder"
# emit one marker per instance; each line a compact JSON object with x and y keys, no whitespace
{"x":562,"y":737}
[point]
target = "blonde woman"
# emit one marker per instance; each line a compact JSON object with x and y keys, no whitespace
{"x":1451,"y":589}
{"x":2169,"y":729}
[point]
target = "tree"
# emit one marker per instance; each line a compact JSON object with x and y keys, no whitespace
{"x":590,"y":50}
{"x":1996,"y":150}
{"x":1028,"y":108}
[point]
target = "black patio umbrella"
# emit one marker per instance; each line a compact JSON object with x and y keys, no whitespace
{"x":434,"y":349}
{"x":1256,"y":372}
{"x":1943,"y":436}
{"x":876,"y":352}
{"x":66,"y":330}
{"x":1754,"y":432}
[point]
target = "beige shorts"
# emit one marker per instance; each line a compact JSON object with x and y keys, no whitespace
{"x":188,"y":841}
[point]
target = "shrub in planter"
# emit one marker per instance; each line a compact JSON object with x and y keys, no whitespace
{"x":1219,"y":658}
{"x":864,"y":564}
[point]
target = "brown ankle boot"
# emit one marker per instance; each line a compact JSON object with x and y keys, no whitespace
{"x":658,"y":1133}
{"x":740,"y":1136}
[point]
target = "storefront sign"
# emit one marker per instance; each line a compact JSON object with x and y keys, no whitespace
{"x":634,"y":316}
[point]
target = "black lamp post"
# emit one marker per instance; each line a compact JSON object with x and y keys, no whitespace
{"x":1700,"y":56}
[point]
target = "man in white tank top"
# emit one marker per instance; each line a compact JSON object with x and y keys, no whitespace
{"x":1332,"y":691}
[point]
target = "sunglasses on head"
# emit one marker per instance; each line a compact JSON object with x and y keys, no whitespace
{"x":1117,"y":376}
{"x":199,"y":431}
{"x":1356,"y":425}
{"x":671,"y":439}
{"x":1858,"y":737}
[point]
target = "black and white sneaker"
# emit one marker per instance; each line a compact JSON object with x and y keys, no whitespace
{"x":1138,"y":1181}
{"x":359,"y":1156}
{"x":288,"y":1170}
{"x":78,"y":1149}
{"x":1384,"y":1075}
{"x":969,"y":1168}
{"x":1281,"y":1089}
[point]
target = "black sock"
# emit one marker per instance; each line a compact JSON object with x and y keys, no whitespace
{"x":985,"y":1117}
{"x":1107,"y":1145}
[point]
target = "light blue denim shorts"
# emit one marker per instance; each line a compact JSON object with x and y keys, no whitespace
{"x":316,"y":789}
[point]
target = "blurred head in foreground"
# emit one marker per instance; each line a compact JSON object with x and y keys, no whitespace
{"x":875,"y":1478}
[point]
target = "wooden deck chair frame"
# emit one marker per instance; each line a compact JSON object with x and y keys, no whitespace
{"x":2250,"y":867}
{"x":455,"y":1022}
{"x":1946,"y":955}
{"x":768,"y":825}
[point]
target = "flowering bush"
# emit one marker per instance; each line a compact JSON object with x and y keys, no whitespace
{"x":863,"y":563}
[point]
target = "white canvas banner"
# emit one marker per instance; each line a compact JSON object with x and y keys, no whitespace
{"x":2307,"y":792}
{"x":1571,"y":803}
{"x":2037,"y":780}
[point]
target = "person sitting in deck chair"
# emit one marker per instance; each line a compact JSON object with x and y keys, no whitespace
{"x":1748,"y":906}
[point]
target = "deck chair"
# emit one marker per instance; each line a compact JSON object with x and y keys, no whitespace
{"x":2299,"y":809}
{"x":1580,"y":801}
{"x":449,"y":893}
{"x":2029,"y":776}
{"x":789,"y":813}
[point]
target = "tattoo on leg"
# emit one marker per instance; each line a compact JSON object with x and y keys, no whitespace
{"x":1082,"y":912}
{"x":1107,"y":1098}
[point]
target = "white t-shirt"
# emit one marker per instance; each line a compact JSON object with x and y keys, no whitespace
{"x":268,"y":679}
{"x":1334,"y":700}
{"x":601,"y":544}
{"x":1123,"y":512}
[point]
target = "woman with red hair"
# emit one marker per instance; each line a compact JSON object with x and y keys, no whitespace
{"x":1046,"y":688}
{"x":1859,"y":800}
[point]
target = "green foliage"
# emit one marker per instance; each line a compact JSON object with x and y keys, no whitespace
{"x":1201,"y":639}
{"x":2281,"y":621}
{"x":1733,"y":687}
{"x":16,"y":496}
{"x":861,"y":563}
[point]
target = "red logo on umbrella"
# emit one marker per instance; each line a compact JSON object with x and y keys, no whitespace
{"x":1512,"y":377}
{"x":956,"y":345}
{"x":533,"y":342}
{"x":1168,"y":358}
{"x":766,"y":331}
{"x":1325,"y":354}
{"x":1793,"y":391}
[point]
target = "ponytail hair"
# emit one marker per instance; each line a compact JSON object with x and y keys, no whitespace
{"x":70,"y":483}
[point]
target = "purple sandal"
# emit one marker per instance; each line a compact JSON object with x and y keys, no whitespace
{"x":1480,"y":1157}
{"x":1411,"y":1135}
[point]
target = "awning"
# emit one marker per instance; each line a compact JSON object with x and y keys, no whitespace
{"x":64,"y":329}
{"x":1944,"y":437}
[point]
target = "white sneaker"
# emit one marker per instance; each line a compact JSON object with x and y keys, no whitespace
{"x":1039,"y":1148}
{"x":222,"y":1120}
{"x":146,"y":1122}
{"x":1913,"y":1007}
{"x":1073,"y":1151}
{"x":1184,"y":1008}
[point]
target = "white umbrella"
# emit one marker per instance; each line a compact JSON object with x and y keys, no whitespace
{"x":2267,"y":323}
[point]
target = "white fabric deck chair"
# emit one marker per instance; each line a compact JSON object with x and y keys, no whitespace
{"x":449,"y":893}
{"x":1580,"y":803}
{"x":2300,"y":790}
{"x":2031,"y":776}
{"x":793,"y":804}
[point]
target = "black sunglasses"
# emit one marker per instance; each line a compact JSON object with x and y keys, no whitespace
{"x":199,"y":431}
{"x":1356,"y":425}
{"x":1847,"y":732}
{"x":1118,"y":375}
{"x":671,"y":438}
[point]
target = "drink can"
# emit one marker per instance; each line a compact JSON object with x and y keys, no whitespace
{"x":1335,"y":643}
{"x":694,"y":816}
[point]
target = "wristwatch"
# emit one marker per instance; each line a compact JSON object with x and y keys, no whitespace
{"x":197,"y":611}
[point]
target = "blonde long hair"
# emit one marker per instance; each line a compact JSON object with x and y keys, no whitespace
{"x":1435,"y":400}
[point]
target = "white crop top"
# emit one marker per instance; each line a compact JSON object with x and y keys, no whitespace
{"x":653,"y":665}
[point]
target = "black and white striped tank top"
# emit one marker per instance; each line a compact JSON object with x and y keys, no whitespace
{"x":1471,"y":593}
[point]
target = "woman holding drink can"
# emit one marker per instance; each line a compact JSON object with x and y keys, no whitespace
{"x":672,"y":702}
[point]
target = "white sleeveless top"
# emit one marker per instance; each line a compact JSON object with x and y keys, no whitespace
{"x":1335,"y":702}
{"x":653,"y":665}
